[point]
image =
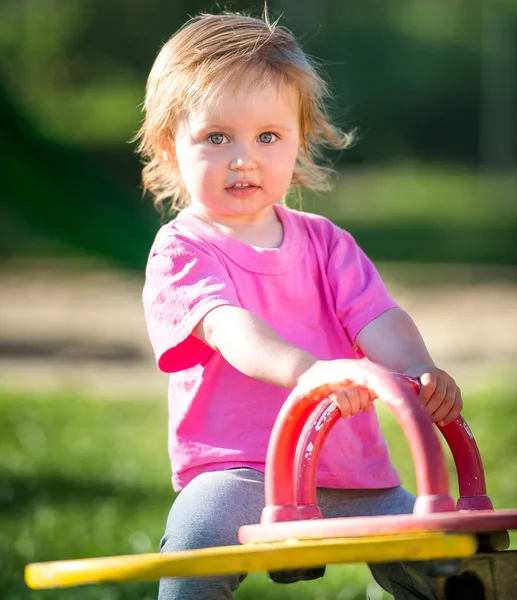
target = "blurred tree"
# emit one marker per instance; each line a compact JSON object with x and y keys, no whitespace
{"x":408,"y":72}
{"x":423,"y":81}
{"x":52,"y":192}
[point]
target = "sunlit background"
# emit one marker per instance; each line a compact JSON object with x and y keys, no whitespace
{"x":429,"y":191}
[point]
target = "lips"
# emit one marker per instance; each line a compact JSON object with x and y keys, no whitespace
{"x":241,"y":185}
{"x":242,"y":189}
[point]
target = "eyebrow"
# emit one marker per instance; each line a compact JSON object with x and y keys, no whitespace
{"x":266,"y":127}
{"x":220,"y":127}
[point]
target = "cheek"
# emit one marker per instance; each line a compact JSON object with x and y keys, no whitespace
{"x":208,"y":169}
{"x":195,"y":167}
{"x":282,"y":162}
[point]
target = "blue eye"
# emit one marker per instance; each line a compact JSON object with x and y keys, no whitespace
{"x":217,"y":138}
{"x":267,"y":137}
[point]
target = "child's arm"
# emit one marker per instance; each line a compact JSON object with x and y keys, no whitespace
{"x":252,"y":347}
{"x":393,"y":341}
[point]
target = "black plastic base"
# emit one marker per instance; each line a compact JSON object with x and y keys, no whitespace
{"x":293,"y":575}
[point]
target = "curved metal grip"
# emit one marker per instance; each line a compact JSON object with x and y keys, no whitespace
{"x":469,"y":467}
{"x":281,"y":485}
{"x":464,"y":450}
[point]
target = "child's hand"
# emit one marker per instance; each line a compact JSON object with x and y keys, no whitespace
{"x":349,"y":400}
{"x":439,"y":393}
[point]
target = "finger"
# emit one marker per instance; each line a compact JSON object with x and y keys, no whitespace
{"x":364,"y":398}
{"x":427,"y":387}
{"x":436,"y":400}
{"x":446,"y":405}
{"x":350,"y":401}
{"x":354,"y":398}
{"x":341,"y":401}
{"x":455,"y":410}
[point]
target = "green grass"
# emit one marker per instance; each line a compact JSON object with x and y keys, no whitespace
{"x":417,"y":193}
{"x":402,"y":212}
{"x":425,"y":213}
{"x":84,"y":477}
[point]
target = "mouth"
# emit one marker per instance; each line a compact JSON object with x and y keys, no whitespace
{"x":241,"y":185}
{"x":242,"y":189}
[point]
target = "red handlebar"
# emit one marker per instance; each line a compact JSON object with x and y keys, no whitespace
{"x":465,"y":452}
{"x":306,"y":419}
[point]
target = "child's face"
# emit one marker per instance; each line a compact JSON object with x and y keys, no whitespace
{"x":237,"y":156}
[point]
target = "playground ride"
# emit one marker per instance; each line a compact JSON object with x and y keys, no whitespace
{"x":466,"y":543}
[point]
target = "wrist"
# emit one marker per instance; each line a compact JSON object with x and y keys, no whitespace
{"x":419,"y":368}
{"x":307,"y":367}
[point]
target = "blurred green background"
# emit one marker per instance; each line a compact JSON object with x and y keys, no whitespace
{"x":430,"y":192}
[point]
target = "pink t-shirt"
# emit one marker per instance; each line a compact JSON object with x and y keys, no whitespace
{"x":317,"y":291}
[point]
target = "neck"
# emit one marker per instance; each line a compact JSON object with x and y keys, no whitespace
{"x":263,"y":229}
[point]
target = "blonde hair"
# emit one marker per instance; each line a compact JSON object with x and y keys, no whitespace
{"x":211,"y":53}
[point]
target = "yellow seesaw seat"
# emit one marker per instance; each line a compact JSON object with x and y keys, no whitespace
{"x":290,"y":554}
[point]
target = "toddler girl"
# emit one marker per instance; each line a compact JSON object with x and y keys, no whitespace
{"x":245,"y":298}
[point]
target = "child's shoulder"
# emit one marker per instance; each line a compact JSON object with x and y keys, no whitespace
{"x":308,"y":218}
{"x":177,"y":232}
{"x":317,"y":224}
{"x":183,"y":225}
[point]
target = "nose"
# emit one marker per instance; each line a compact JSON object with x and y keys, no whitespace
{"x":243,"y":160}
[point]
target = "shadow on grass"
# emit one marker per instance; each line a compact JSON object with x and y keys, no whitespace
{"x":54,"y":517}
{"x":495,"y":245}
{"x":20,"y":493}
{"x":70,"y":350}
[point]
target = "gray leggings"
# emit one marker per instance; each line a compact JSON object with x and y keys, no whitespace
{"x":212,"y":508}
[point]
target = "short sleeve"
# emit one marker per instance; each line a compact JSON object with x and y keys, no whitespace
{"x":184,"y":282}
{"x":358,"y":289}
